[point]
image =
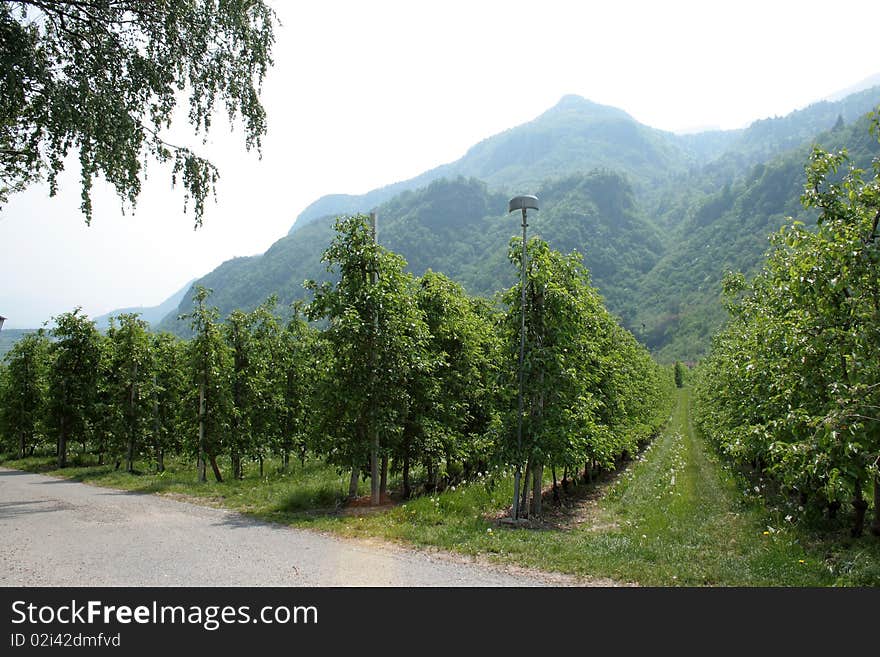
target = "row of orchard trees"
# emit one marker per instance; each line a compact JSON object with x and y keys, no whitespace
{"x":405,"y":375}
{"x":235,"y":388}
{"x":792,"y":385}
{"x":591,"y":393}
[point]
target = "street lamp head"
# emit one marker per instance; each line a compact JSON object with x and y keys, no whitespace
{"x":523,"y":203}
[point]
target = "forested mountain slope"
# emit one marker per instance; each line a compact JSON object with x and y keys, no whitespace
{"x":658,"y":217}
{"x":679,"y":300}
{"x":461,"y":228}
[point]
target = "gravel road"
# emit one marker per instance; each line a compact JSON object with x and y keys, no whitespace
{"x":55,"y":532}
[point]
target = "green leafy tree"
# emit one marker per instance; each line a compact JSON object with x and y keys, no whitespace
{"x":73,"y":379}
{"x":679,"y":374}
{"x":25,"y":391}
{"x":559,"y":373}
{"x":102,"y":79}
{"x":591,"y":393}
{"x":794,"y":377}
{"x":130,"y":381}
{"x":237,"y":332}
{"x":297,"y":361}
{"x":108,"y":430}
{"x":169,"y":388}
{"x":634,"y":395}
{"x":376,"y":337}
{"x":453,"y":401}
{"x":254,"y":340}
{"x":209,"y":366}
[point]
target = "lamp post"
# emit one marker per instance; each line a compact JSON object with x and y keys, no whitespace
{"x":375,"y":490}
{"x":523,"y":203}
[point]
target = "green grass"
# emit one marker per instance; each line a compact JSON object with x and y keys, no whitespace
{"x":673,"y":517}
{"x":310,"y":488}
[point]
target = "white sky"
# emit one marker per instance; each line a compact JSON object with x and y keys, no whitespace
{"x":363,"y":94}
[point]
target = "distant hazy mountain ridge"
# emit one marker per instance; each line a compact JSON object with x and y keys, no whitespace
{"x":574,"y":135}
{"x":152,"y":314}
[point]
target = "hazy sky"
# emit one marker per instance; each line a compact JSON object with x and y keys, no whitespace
{"x":363,"y":94}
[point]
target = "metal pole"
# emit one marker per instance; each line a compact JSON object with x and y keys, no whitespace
{"x":374,"y":448}
{"x":522,"y":350}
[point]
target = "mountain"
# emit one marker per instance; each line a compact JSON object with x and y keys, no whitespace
{"x":461,"y":228}
{"x":728,"y":231}
{"x":8,"y":338}
{"x":658,"y":217}
{"x":867,"y":83}
{"x":767,"y":138}
{"x":576,"y":135}
{"x":152,"y":314}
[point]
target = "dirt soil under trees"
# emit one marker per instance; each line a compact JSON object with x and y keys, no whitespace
{"x":574,"y":505}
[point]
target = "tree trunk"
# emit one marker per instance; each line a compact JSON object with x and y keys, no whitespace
{"x":875,"y":526}
{"x":383,"y":478}
{"x":429,"y":484}
{"x":214,"y":467}
{"x":132,"y":401}
{"x":524,"y":493}
{"x":374,"y":470}
{"x":406,"y":488}
{"x":537,"y":488}
{"x":129,"y":456}
{"x":833,"y":508}
{"x":555,"y":486}
{"x":22,"y":445}
{"x":353,"y":483}
{"x":860,"y":506}
{"x":261,"y":466}
{"x":285,"y":460}
{"x":62,"y":444}
{"x":236,"y":465}
{"x":201,"y":461}
{"x":157,"y":440}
